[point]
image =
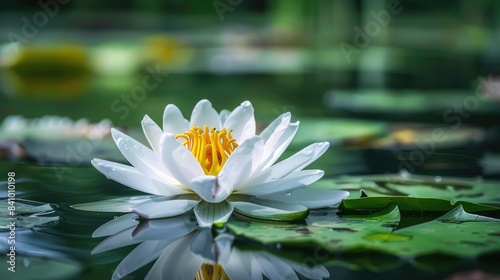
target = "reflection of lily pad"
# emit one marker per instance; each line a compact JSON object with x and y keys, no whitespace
{"x":371,"y":261}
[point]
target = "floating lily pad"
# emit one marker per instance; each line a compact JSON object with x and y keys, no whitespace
{"x":410,"y":204}
{"x":457,"y":233}
{"x":324,"y":228}
{"x":452,"y":189}
{"x":404,"y":102}
{"x":25,"y":215}
{"x":23,"y":208}
{"x":28,"y":221}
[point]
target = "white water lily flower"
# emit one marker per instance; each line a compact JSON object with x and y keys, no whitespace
{"x":182,"y":251}
{"x":216,"y":164}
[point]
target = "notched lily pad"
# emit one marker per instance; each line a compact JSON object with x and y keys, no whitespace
{"x":452,"y":189}
{"x":457,"y":233}
{"x":410,"y":204}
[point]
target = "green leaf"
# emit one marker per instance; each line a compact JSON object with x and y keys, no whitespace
{"x":23,"y":208}
{"x":456,"y":233}
{"x":410,"y":204}
{"x":452,"y":189}
{"x":25,"y":214}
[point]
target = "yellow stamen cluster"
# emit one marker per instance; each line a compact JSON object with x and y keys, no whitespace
{"x":210,"y":147}
{"x":211,"y":272}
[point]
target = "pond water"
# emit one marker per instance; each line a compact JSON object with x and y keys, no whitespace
{"x":377,"y":239}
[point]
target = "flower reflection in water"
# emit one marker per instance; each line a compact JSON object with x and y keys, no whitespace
{"x":185,"y":251}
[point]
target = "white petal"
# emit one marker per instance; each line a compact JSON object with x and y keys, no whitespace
{"x":152,"y":132}
{"x":163,"y":209}
{"x":223,"y":116}
{"x":142,"y":158}
{"x":242,"y":122}
{"x":240,"y":265}
{"x":269,"y":130}
{"x":212,"y":189}
{"x":116,"y":225}
{"x":275,"y":268}
{"x":203,"y":114}
{"x":209,"y":213}
{"x":202,"y":245}
{"x":143,"y":254}
{"x":243,"y":162}
{"x":124,"y":204}
{"x":271,"y":210}
{"x":119,"y":240}
{"x":173,"y":121}
{"x":296,"y":162}
{"x":179,"y":160}
{"x":168,"y":228}
{"x":278,"y":142}
{"x":132,"y":178}
{"x":311,"y":198}
{"x":291,"y":182}
{"x":176,"y":262}
{"x":224,"y":245}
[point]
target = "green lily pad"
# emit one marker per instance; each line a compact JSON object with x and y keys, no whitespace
{"x":324,"y":228}
{"x":23,"y":208}
{"x":456,"y":234}
{"x":452,"y":189}
{"x":410,"y":204}
{"x":25,"y":215}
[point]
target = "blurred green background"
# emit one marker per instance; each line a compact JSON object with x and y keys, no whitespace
{"x":76,"y":58}
{"x":406,"y":66}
